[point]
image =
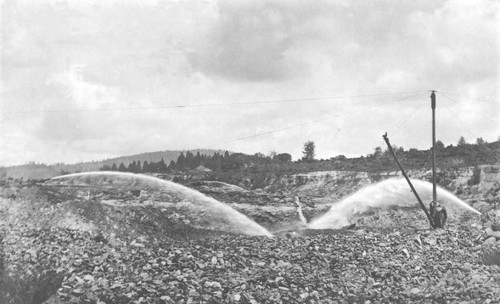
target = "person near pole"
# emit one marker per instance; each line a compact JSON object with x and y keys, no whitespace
{"x":440,"y":217}
{"x":438,"y":214}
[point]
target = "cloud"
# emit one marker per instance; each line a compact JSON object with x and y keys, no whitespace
{"x":95,"y":55}
{"x":81,"y":103}
{"x":260,"y":41}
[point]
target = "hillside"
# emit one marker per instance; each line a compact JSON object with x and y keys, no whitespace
{"x":42,"y":171}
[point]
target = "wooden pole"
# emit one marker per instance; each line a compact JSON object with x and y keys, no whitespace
{"x":408,"y":180}
{"x":433,"y":106}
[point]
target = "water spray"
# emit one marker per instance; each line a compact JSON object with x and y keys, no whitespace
{"x":209,"y":212}
{"x":299,"y":211}
{"x":389,"y":193}
{"x":431,"y":222}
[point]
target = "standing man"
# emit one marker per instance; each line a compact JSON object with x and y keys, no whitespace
{"x":438,"y":214}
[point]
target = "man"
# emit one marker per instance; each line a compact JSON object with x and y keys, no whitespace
{"x":438,"y":215}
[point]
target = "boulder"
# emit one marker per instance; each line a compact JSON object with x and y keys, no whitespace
{"x":490,"y":241}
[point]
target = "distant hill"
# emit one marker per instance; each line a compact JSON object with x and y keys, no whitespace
{"x":41,"y":171}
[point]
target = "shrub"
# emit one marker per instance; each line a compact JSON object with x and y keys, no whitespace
{"x":476,"y":177}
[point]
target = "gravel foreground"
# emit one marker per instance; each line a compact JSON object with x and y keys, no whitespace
{"x":344,"y":266}
{"x":60,"y":248}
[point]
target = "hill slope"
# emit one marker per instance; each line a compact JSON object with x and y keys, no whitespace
{"x":43,"y":171}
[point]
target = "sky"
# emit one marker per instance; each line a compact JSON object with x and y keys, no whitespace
{"x":90,"y":80}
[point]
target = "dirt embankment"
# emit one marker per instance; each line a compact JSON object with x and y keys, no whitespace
{"x":478,"y":186}
{"x":467,"y":182}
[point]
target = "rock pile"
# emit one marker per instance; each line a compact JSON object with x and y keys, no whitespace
{"x":335,"y":267}
{"x":141,"y":254}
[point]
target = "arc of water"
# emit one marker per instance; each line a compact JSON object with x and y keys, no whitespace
{"x":385,"y":194}
{"x":239,"y":222}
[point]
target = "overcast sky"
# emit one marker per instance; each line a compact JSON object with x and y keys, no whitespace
{"x":88,"y":80}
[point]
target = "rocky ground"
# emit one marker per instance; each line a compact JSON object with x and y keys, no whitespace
{"x":389,"y":257}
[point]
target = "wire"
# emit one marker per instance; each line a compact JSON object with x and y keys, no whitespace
{"x":308,"y":122}
{"x":470,"y":98}
{"x":405,"y":120}
{"x":490,"y":152}
{"x":207,"y":105}
{"x":474,"y":112}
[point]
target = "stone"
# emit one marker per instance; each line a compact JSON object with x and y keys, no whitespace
{"x":492,"y":233}
{"x":405,"y":251}
{"x":490,"y":241}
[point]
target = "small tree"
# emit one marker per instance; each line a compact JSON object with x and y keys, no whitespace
{"x":132,"y":167}
{"x":461,"y":141}
{"x":103,"y":168}
{"x":190,"y":160}
{"x":162,"y":167}
{"x":340,"y":157}
{"x":480,"y":141}
{"x":180,"y":164}
{"x":122,"y":168}
{"x":309,"y":151}
{"x":283,"y":158}
{"x":171,"y":166}
{"x":439,"y":145}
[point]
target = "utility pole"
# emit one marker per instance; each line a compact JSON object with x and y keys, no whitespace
{"x":433,"y":106}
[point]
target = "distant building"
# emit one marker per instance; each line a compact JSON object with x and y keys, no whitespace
{"x":201,"y":168}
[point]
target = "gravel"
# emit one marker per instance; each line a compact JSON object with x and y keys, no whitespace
{"x":336,"y":267}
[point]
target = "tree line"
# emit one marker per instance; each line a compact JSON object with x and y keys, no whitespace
{"x":230,"y":161}
{"x":189,"y":161}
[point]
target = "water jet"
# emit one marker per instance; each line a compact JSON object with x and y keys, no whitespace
{"x":389,"y":193}
{"x":201,"y":211}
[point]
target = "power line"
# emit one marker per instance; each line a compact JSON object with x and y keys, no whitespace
{"x":491,"y":152}
{"x":208,"y":105}
{"x":405,"y":120}
{"x":474,"y":112}
{"x":470,"y":98}
{"x":309,"y":122}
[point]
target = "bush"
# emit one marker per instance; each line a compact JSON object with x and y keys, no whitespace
{"x":376,"y":177}
{"x":475,"y":178}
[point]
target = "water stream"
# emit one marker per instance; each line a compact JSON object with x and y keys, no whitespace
{"x":201,"y":210}
{"x":389,"y":193}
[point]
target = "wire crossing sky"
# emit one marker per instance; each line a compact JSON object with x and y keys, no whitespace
{"x":89,"y":80}
{"x":198,"y":105}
